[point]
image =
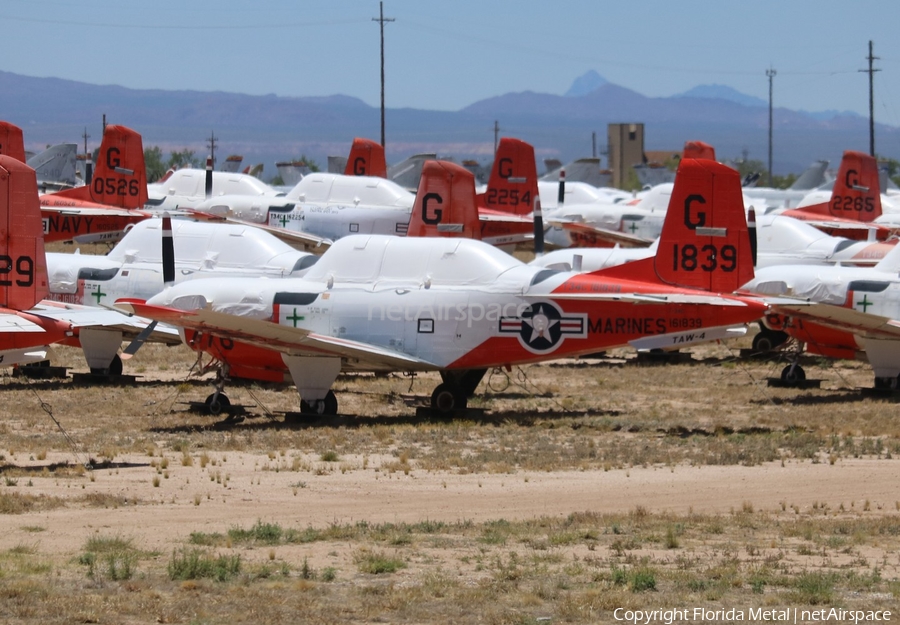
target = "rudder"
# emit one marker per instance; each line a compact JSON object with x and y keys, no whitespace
{"x":11,"y":141}
{"x":23,"y":264}
{"x":512,"y":186}
{"x":366,"y":159}
{"x":445,"y":203}
{"x":120,"y":178}
{"x":705,"y":242}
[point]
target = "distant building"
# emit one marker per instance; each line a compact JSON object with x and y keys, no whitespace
{"x":625,"y":148}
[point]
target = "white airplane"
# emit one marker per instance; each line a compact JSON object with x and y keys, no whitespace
{"x":460,"y":306}
{"x":190,"y":188}
{"x":853,"y":205}
{"x":765,"y":198}
{"x":862,"y":321}
{"x":134,"y":269}
{"x":781,"y":241}
{"x":324,"y":207}
{"x":30,"y":323}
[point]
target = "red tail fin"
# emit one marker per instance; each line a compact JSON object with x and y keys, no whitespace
{"x":11,"y":142}
{"x":366,"y":159}
{"x":513,"y":183}
{"x":857,"y":192}
{"x":698,"y":149}
{"x":445,"y":203}
{"x":120,"y":178}
{"x":705,"y":242}
{"x":22,"y":260}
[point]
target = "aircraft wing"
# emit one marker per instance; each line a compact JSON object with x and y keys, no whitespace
{"x":828,"y":224}
{"x":92,"y":317}
{"x":301,"y":240}
{"x":647,"y":298}
{"x":841,"y":318}
{"x":602,"y":234}
{"x":284,"y":339}
{"x":11,"y":322}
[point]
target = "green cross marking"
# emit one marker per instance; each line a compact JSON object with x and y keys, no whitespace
{"x":865,"y":303}
{"x":633,"y":227}
{"x":98,"y":295}
{"x":284,"y":220}
{"x":295,"y":318}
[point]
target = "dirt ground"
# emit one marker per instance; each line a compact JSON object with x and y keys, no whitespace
{"x":606,"y":440}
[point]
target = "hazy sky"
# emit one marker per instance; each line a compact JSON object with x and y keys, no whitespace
{"x":446,"y":55}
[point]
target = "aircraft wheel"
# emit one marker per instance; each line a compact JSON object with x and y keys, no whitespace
{"x":448,"y":398}
{"x":767,"y":340}
{"x":793,"y":375}
{"x":217,"y":404}
{"x":115,"y":367}
{"x":887,"y":383}
{"x":326,"y":406}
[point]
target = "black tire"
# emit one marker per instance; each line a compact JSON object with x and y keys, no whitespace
{"x":767,"y":340}
{"x":448,"y":398}
{"x":115,"y":367}
{"x":321,"y":407}
{"x":217,"y":404}
{"x":887,"y":383}
{"x":793,"y":375}
{"x":40,"y":364}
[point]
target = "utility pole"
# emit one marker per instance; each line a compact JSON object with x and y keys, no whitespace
{"x":382,"y":19}
{"x":211,"y":144}
{"x":85,"y":136}
{"x":594,"y":145}
{"x":871,"y":71}
{"x":771,"y":74}
{"x":496,"y":135}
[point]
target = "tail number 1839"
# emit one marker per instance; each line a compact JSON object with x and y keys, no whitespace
{"x":707,"y":258}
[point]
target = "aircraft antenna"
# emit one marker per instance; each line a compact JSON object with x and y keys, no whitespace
{"x":771,"y":74}
{"x":382,"y":19}
{"x":871,"y":72}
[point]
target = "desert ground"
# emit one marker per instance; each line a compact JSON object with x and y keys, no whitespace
{"x":584,"y":486}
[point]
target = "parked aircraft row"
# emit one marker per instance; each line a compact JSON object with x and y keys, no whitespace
{"x":311,"y":327}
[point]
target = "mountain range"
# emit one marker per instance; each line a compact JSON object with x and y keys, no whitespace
{"x":270,"y":128}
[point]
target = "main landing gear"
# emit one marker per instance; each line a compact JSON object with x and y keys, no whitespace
{"x":453,"y":393}
{"x":767,"y":340}
{"x":115,"y":367}
{"x":217,"y":402}
{"x":793,"y":375}
{"x":887,"y":384}
{"x":326,"y":406}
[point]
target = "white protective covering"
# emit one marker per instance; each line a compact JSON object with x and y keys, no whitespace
{"x":192,"y":183}
{"x":384,"y":261}
{"x":337,"y":189}
{"x":207,"y":246}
